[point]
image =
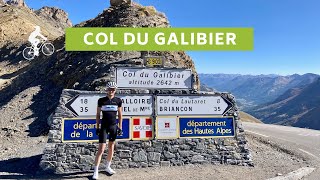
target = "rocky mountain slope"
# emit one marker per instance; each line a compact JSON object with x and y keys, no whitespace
{"x":253,"y":90}
{"x":23,"y":103}
{"x":17,"y":21}
{"x":54,"y":16}
{"x":297,"y":107}
{"x":30,"y":90}
{"x":19,"y":3}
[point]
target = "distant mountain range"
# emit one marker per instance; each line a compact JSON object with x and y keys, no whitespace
{"x":254,"y":90}
{"x":298,"y":107}
{"x":288,"y":100}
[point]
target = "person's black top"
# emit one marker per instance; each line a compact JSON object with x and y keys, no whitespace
{"x":109,"y":108}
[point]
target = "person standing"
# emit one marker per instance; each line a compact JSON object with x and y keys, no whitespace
{"x":109,"y":106}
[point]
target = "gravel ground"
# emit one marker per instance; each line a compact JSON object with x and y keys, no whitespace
{"x":269,"y":160}
{"x":15,"y":126}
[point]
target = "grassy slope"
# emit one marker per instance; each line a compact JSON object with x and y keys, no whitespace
{"x":245,"y":117}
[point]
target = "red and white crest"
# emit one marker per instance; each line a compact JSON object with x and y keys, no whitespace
{"x":142,"y":128}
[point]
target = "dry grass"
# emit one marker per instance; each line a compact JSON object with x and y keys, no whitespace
{"x":245,"y":117}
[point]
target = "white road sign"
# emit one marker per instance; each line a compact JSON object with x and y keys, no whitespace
{"x":153,"y":78}
{"x":191,"y":105}
{"x":86,"y":104}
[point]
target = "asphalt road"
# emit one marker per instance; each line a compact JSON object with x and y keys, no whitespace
{"x":305,"y":141}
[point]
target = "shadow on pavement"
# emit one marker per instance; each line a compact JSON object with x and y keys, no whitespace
{"x":28,"y":168}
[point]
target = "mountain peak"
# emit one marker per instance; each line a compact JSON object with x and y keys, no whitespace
{"x":124,"y":15}
{"x":120,"y":2}
{"x":56,"y":16}
{"x":19,"y":3}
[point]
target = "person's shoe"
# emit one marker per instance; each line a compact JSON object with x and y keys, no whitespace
{"x":95,"y":175}
{"x":109,"y":170}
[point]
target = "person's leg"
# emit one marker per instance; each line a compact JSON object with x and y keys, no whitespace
{"x":102,"y":146}
{"x":110,"y":150}
{"x":35,"y":46}
{"x":111,"y":143}
{"x":36,"y":42}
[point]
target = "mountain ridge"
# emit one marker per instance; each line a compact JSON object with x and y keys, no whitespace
{"x":254,"y":90}
{"x":300,"y":110}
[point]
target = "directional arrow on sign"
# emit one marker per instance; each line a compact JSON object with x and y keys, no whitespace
{"x":84,"y":105}
{"x":229,"y":105}
{"x":69,"y":103}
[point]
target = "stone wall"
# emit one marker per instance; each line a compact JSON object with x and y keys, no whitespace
{"x":61,"y":157}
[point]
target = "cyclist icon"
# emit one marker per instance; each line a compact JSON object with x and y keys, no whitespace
{"x":36,"y":44}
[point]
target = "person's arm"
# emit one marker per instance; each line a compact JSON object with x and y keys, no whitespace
{"x":120,"y":117}
{"x":98,"y":117}
{"x":120,"y":114}
{"x":98,"y":114}
{"x":44,"y":38}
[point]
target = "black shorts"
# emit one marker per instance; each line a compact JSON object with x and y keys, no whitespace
{"x":109,"y":129}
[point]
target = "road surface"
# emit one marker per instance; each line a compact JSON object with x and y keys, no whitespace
{"x":305,"y":141}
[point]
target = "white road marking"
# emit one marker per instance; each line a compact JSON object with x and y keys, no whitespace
{"x":297,"y":174}
{"x":288,"y":130}
{"x":283,"y":139}
{"x":256,"y":133}
{"x":308,"y":153}
{"x":309,"y":134}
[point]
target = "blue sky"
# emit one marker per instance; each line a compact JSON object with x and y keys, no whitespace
{"x":287,"y":32}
